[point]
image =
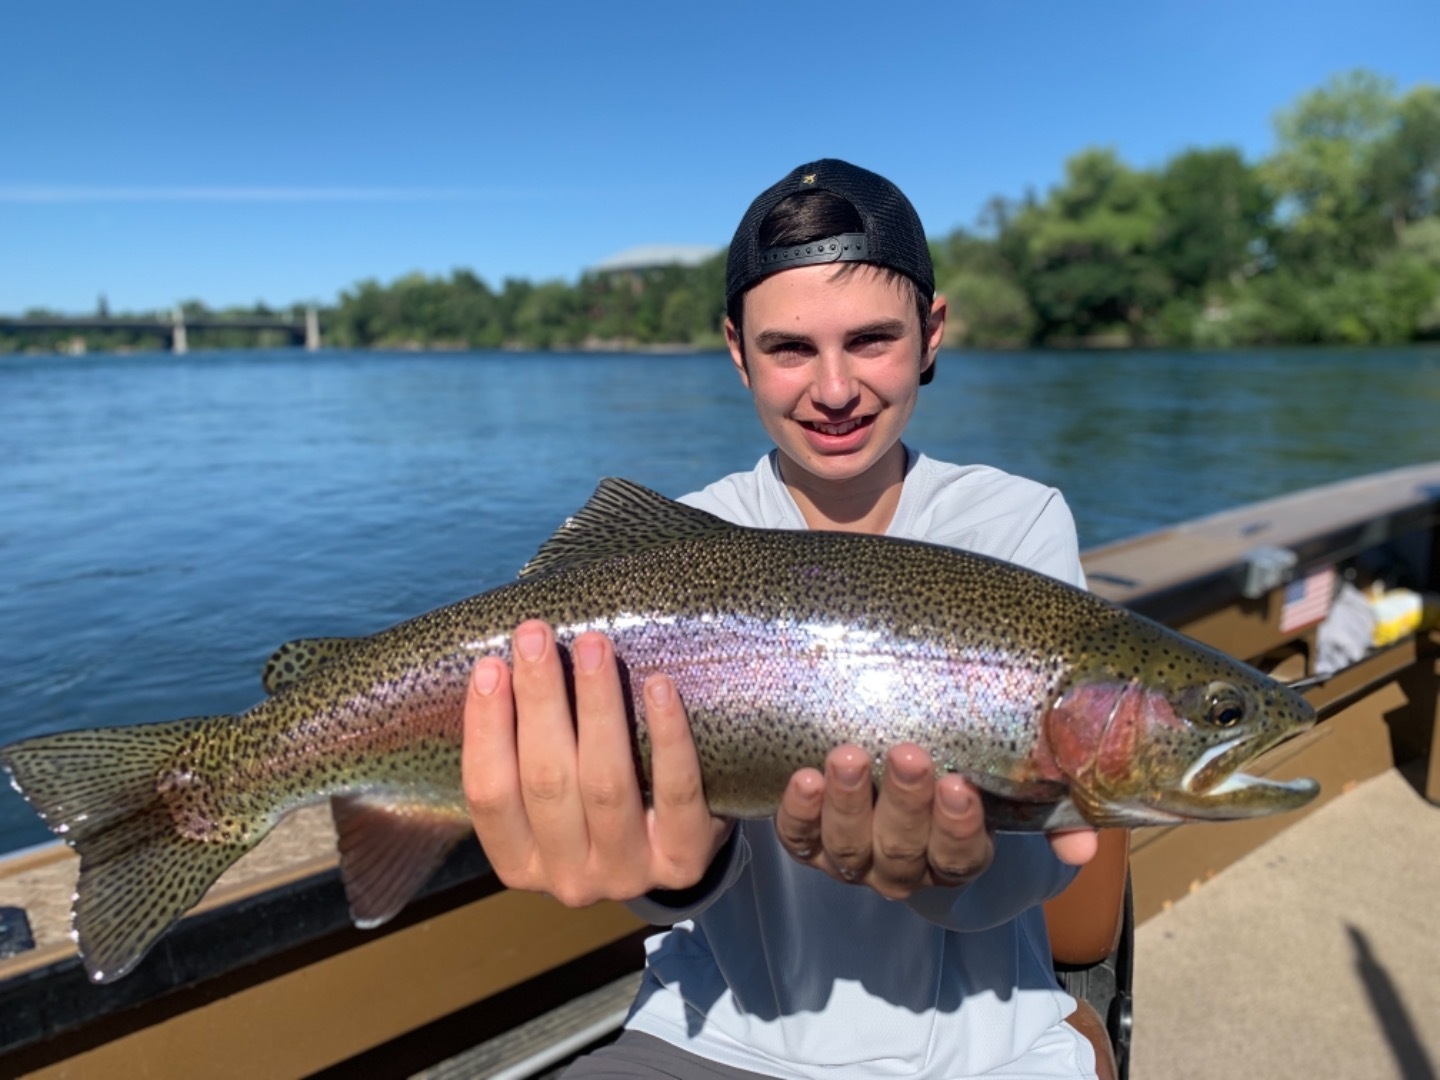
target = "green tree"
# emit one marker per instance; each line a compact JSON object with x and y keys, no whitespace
{"x":1088,"y":252}
{"x":988,"y":310}
{"x":468,"y":312}
{"x":1216,"y":223}
{"x":1324,"y":167}
{"x":543,"y":319}
{"x":679,"y":316}
{"x":1405,"y":168}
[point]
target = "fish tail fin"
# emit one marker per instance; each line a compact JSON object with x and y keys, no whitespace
{"x":146,"y":822}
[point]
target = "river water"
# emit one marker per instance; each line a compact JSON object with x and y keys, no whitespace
{"x":165,"y":521}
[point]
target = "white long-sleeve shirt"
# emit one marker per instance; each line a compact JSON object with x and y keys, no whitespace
{"x":781,"y":970}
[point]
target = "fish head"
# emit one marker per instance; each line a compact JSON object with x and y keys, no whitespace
{"x":1165,"y":743}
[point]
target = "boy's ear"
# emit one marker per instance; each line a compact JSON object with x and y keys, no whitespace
{"x":737,"y":351}
{"x":935,"y":331}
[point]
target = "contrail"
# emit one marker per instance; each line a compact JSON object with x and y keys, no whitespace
{"x":63,"y":193}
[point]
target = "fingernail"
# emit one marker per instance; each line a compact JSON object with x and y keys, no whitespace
{"x":486,"y":676}
{"x":908,"y":771}
{"x":530,"y":643}
{"x":660,"y":690}
{"x":956,"y":800}
{"x":850,"y":775}
{"x":589,"y":652}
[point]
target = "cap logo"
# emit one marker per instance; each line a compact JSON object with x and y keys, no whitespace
{"x":808,"y":178}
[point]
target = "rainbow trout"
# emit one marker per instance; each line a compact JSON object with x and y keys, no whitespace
{"x":1062,"y":708}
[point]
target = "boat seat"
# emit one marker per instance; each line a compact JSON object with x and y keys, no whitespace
{"x":1086,"y":924}
{"x":1086,"y":1020}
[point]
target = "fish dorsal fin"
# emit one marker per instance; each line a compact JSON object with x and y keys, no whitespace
{"x":389,"y":850}
{"x":621,"y":518}
{"x":295,"y":660}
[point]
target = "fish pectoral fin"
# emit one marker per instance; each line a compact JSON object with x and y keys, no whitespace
{"x":297,"y":659}
{"x":1100,"y":812}
{"x":389,"y":850}
{"x":1103,"y":813}
{"x":621,"y":518}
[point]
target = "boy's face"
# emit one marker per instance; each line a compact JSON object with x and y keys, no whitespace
{"x":834,"y":365}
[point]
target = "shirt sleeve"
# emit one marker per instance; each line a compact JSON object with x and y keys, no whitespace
{"x":1051,"y":545}
{"x":665,"y":907}
{"x":1025,"y":872}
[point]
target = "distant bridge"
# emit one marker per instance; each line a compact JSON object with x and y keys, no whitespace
{"x":175,"y":330}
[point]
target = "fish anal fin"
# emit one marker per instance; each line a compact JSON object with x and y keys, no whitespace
{"x":621,"y":518}
{"x":389,"y":850}
{"x":295,"y":660}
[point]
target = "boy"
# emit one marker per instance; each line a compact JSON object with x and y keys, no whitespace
{"x":863,"y":933}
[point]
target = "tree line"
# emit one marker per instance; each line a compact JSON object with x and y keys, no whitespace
{"x":1333,"y":238}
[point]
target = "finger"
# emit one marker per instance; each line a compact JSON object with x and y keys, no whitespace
{"x":609,"y":791}
{"x":797,"y":821}
{"x":847,"y":817}
{"x":490,"y":772}
{"x":545,"y":743}
{"x":961,"y":848}
{"x":902,"y":821}
{"x":1075,"y":847}
{"x":684,"y":834}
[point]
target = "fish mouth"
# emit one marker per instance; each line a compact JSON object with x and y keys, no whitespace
{"x":1217,"y":788}
{"x":1275,"y":794}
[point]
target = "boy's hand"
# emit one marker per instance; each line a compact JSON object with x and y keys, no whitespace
{"x":918,"y":832}
{"x":555,"y":799}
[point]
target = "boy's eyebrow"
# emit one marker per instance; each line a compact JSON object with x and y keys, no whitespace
{"x":894,"y":327}
{"x":769,"y":339}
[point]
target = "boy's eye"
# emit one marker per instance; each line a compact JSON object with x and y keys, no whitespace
{"x":790,"y":348}
{"x":871,"y":341}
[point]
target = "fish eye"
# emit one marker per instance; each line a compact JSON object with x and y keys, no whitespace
{"x":1224,"y":708}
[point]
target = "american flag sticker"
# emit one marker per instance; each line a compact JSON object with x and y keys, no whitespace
{"x":1307,"y":599}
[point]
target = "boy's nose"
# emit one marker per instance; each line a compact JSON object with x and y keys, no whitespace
{"x":835,"y":384}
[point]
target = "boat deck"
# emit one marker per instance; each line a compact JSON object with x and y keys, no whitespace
{"x":1317,"y":954}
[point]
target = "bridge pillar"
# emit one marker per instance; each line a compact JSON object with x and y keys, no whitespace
{"x":178,"y":345}
{"x":312,"y":329}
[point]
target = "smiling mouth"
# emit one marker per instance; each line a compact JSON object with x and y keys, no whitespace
{"x":842,"y":428}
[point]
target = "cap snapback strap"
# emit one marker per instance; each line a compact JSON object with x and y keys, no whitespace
{"x":847,"y":247}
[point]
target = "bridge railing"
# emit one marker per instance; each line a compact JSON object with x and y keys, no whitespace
{"x":175,"y":331}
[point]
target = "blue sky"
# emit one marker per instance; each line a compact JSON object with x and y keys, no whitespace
{"x":229,"y":152}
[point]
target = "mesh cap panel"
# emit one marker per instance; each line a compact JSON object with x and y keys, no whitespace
{"x":893,"y":236}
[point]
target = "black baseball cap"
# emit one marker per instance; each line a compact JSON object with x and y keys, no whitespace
{"x":892,"y":235}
